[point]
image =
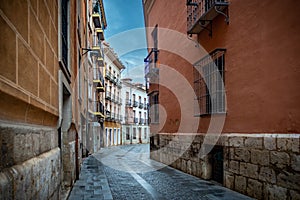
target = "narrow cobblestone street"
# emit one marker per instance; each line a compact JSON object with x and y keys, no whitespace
{"x":126,"y":172}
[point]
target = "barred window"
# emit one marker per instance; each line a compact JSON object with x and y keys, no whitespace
{"x":64,"y":31}
{"x":209,"y":80}
{"x":154,"y":109}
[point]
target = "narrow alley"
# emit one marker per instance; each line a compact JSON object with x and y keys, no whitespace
{"x":126,"y":172}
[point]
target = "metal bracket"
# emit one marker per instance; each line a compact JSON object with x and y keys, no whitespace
{"x":202,"y":24}
{"x":86,"y":50}
{"x":226,"y":15}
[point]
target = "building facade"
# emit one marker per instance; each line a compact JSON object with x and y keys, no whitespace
{"x":242,"y":68}
{"x":93,"y":63}
{"x":44,"y":93}
{"x":135,"y":129}
{"x":113,"y":100}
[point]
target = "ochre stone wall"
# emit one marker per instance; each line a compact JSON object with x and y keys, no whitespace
{"x":29,"y":66}
{"x":30,"y":166}
{"x":30,"y":162}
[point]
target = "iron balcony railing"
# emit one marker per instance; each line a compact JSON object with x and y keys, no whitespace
{"x":200,"y":13}
{"x":107,"y":115}
{"x":97,"y":109}
{"x":141,"y":121}
{"x":135,"y":103}
{"x":108,"y":95}
{"x":107,"y":74}
{"x":96,"y":13}
{"x":146,"y":106}
{"x":113,"y":116}
{"x":128,"y":102}
{"x":97,"y":77}
{"x":96,"y":44}
{"x":112,"y":97}
{"x":141,"y":105}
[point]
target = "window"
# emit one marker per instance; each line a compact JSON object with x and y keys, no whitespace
{"x":64,"y":31}
{"x":208,"y":83}
{"x":127,"y":133}
{"x":90,"y":91}
{"x":145,"y":133}
{"x":134,"y":134}
{"x":154,"y":112}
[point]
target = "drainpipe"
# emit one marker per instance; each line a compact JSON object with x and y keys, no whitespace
{"x":87,"y":101}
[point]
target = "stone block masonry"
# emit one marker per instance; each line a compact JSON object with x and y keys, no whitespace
{"x":262,"y":166}
{"x":30,"y":166}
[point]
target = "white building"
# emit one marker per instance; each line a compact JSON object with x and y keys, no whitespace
{"x":112,"y":124}
{"x":134,"y":108}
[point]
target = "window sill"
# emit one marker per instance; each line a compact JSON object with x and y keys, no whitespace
{"x":210,"y":114}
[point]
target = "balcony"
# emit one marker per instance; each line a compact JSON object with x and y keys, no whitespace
{"x":146,"y":105}
{"x":141,"y":121}
{"x":117,"y":99}
{"x":113,"y":79}
{"x":97,"y":109}
{"x":100,"y":61}
{"x":100,"y":33}
{"x":98,"y":79}
{"x":112,"y":97}
{"x":151,"y":70}
{"x":128,"y":102}
{"x":107,"y":115}
{"x":96,"y":50}
{"x":141,"y":105}
{"x":107,"y":95}
{"x":200,"y":14}
{"x":113,"y":116}
{"x":96,"y":14}
{"x":135,"y":104}
{"x":119,"y":84}
{"x":107,"y":74}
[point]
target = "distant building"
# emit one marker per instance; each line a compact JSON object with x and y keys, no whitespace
{"x":135,"y":127}
{"x":251,"y":48}
{"x":113,"y":100}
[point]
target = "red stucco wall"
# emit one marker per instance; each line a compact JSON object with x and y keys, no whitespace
{"x":262,"y":68}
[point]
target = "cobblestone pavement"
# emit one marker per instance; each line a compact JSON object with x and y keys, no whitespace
{"x":126,"y":172}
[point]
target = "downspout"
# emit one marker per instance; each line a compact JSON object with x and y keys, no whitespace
{"x":87,"y":101}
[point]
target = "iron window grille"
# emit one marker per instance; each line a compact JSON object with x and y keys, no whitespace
{"x":154,"y":109}
{"x":209,"y":80}
{"x":64,"y":31}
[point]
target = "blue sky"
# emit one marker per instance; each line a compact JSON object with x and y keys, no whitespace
{"x":126,"y":35}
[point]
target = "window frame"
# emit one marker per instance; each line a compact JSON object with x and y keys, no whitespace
{"x":210,"y":92}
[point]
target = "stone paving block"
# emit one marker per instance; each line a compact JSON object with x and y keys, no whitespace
{"x":166,"y":182}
